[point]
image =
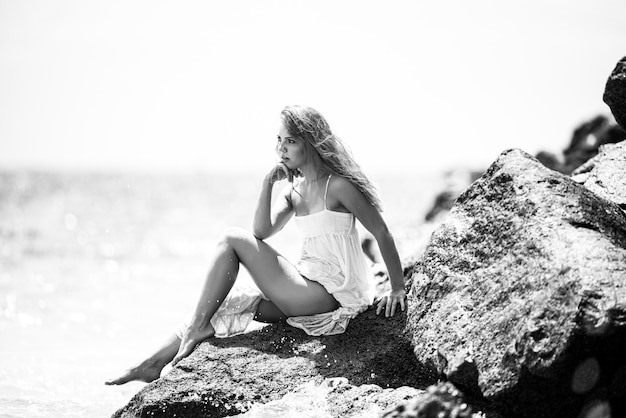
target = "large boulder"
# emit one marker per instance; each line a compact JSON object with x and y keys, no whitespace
{"x":228,"y":376}
{"x":604,"y":174}
{"x":615,"y":92}
{"x":520,"y":296}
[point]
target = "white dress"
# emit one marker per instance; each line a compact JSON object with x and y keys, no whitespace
{"x":332,"y":256}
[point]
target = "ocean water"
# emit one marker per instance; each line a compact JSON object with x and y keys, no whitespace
{"x":97,"y":268}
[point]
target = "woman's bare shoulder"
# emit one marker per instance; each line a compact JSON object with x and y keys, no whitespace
{"x":340,"y":184}
{"x":342,"y":193}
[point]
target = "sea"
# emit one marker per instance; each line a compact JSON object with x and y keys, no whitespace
{"x":97,"y":268}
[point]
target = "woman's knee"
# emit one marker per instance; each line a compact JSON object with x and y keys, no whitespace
{"x":237,"y":238}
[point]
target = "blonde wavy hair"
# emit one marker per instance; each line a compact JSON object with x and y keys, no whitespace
{"x":325,"y":150}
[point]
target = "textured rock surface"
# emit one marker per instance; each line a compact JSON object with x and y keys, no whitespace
{"x":227,"y":376}
{"x":522,"y":284}
{"x":615,"y":92}
{"x":333,"y":397}
{"x":366,"y":400}
{"x":605,"y":174}
{"x":438,"y":401}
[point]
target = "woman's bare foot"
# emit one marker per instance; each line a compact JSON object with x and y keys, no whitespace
{"x":192,"y":337}
{"x":143,"y":373}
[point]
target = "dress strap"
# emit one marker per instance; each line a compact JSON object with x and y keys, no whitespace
{"x":326,"y":192}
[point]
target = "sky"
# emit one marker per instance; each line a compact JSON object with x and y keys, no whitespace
{"x":199,"y":85}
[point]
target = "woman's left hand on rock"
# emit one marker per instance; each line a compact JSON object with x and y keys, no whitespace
{"x":390,"y":302}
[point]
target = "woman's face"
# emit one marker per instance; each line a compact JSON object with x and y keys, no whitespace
{"x":290,"y":149}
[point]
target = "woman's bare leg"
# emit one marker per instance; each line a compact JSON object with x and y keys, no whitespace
{"x":279,"y":280}
{"x":150,"y":369}
{"x":268,"y":312}
{"x":223,"y":271}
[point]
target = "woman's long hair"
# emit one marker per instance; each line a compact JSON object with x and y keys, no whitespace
{"x":325,"y":150}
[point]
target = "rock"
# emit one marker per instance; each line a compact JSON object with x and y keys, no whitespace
{"x":521,"y":285}
{"x":333,"y":397}
{"x":586,"y":139}
{"x":227,"y":376}
{"x":438,"y":401}
{"x":589,"y":136}
{"x":551,"y":161}
{"x":604,"y":174}
{"x":346,"y":400}
{"x":615,"y":92}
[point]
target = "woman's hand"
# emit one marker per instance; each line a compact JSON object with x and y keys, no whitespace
{"x":278,"y":173}
{"x":390,"y":302}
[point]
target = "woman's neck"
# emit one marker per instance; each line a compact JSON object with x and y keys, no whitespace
{"x":312,"y":174}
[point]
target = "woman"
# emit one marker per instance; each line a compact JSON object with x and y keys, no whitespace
{"x":329,"y":285}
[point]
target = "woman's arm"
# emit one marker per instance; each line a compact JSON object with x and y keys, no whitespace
{"x":348,"y":196}
{"x":268,"y":218}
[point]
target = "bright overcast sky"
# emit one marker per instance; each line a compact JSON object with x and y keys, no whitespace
{"x":199,"y":84}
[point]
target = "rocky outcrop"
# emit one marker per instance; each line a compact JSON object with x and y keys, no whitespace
{"x":438,"y":401}
{"x":333,"y":397}
{"x":591,"y":135}
{"x":228,"y":376}
{"x":615,"y":92}
{"x":520,"y":296}
{"x":604,"y":174}
{"x":584,"y":144}
{"x":347,"y":400}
